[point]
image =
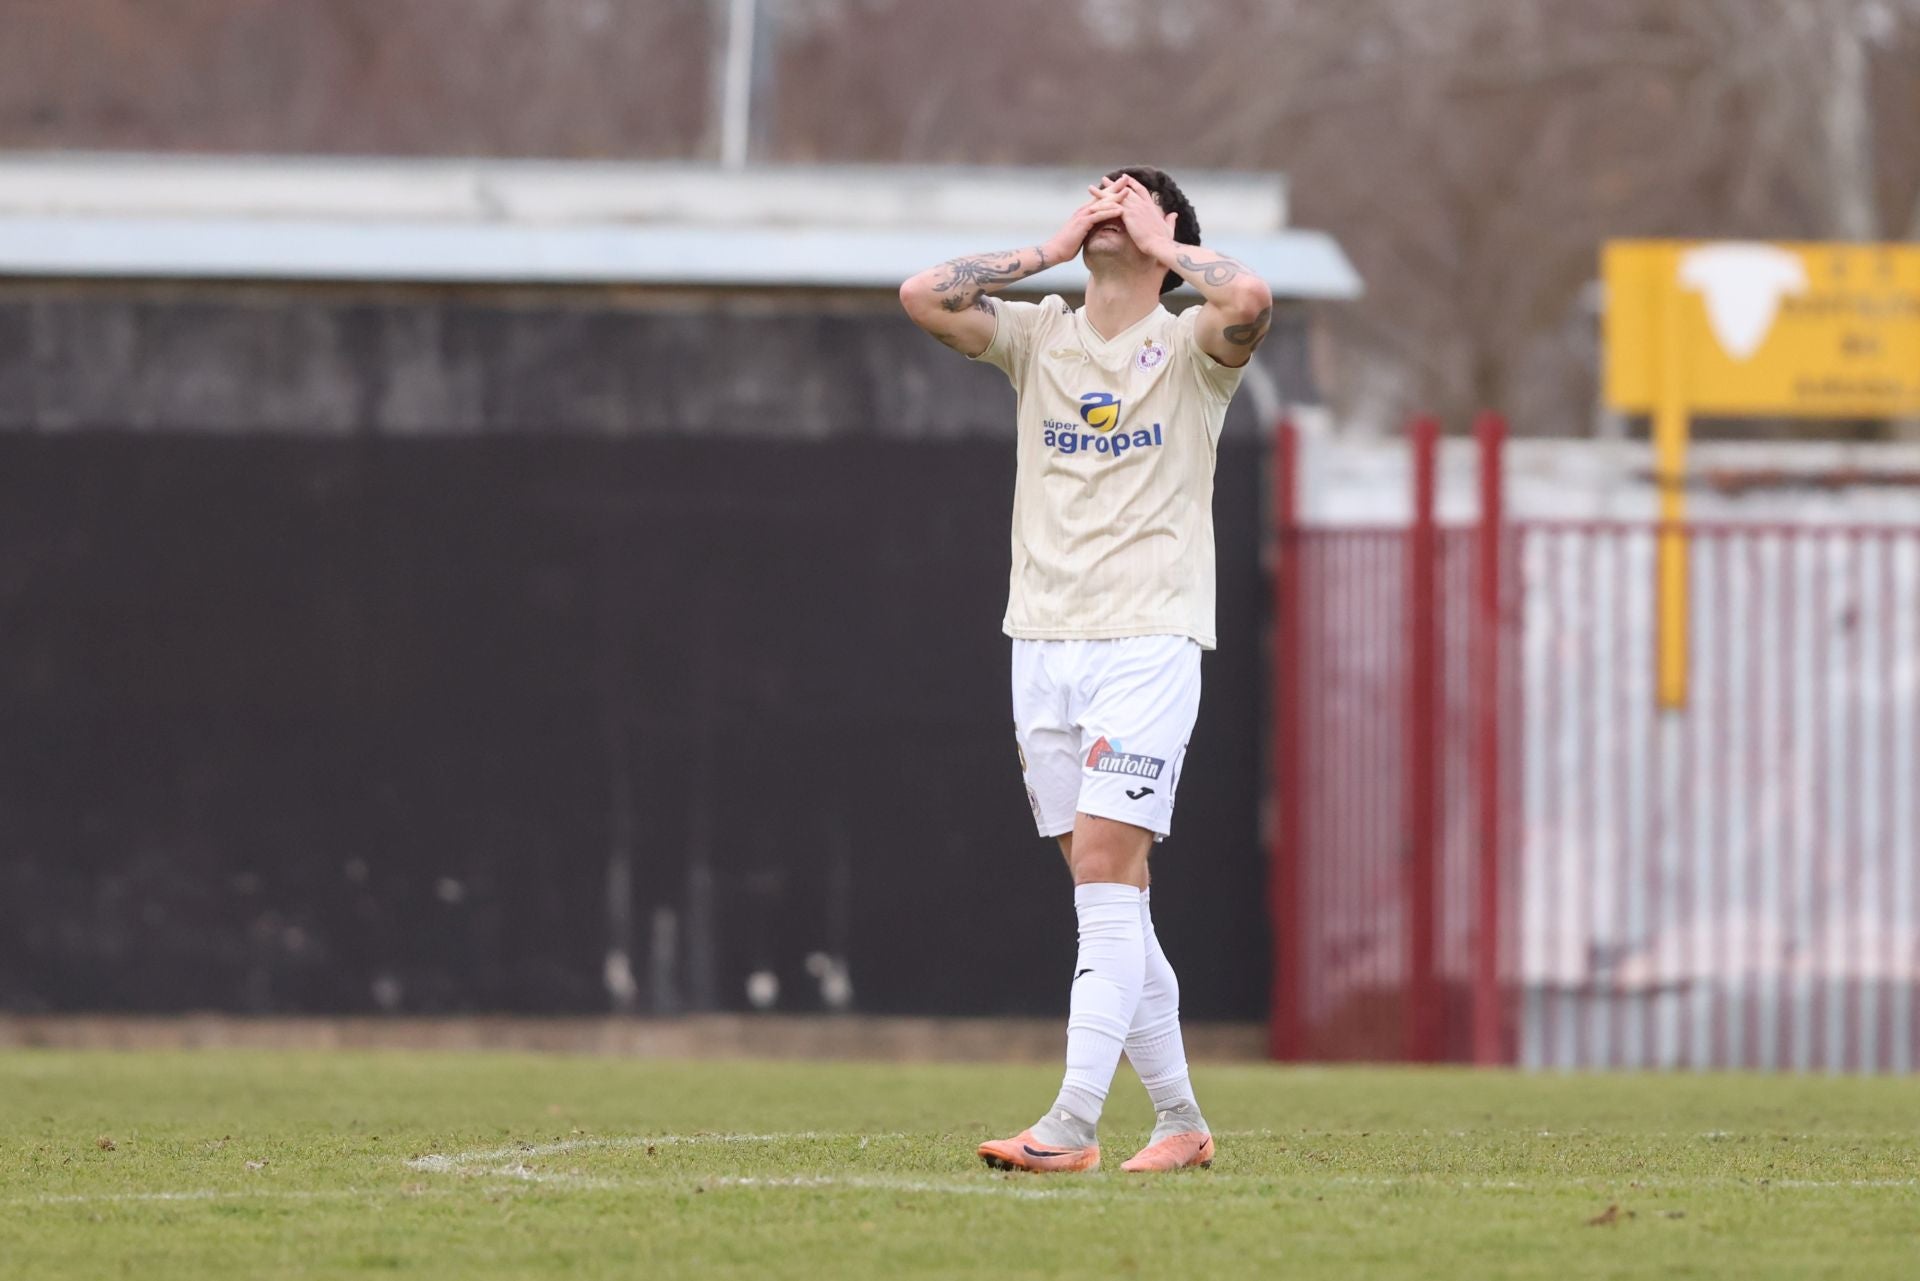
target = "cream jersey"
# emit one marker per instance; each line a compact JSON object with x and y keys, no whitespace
{"x":1113,"y":490}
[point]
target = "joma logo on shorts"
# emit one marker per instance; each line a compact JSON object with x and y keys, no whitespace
{"x":1107,"y":758}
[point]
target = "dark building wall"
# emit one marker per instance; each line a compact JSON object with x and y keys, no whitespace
{"x":252,"y":360}
{"x":329,"y":720}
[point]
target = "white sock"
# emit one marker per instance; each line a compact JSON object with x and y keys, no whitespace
{"x":1154,"y":1045}
{"x":1106,"y":991}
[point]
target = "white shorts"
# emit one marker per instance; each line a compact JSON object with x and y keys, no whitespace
{"x":1102,"y":727}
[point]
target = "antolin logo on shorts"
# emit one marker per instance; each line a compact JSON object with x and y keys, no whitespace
{"x":1099,"y":410}
{"x":1108,"y":757}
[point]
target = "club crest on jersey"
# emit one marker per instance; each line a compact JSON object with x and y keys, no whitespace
{"x":1107,"y":757}
{"x":1149,"y":356}
{"x":1100,"y":410}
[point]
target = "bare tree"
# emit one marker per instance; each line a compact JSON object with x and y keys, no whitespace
{"x":494,"y":77}
{"x":1472,"y":154}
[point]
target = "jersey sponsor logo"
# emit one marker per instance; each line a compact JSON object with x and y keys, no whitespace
{"x":1069,"y":439}
{"x":1100,"y":410}
{"x":1109,"y":757}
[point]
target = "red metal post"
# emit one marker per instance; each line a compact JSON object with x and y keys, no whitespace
{"x":1888,"y":1058}
{"x":1819,"y":864}
{"x":1286,"y":1029}
{"x":1721,"y":750}
{"x":1489,"y":1039}
{"x":1424,"y":1016}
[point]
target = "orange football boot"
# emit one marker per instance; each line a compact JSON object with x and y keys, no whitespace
{"x":1024,"y":1152}
{"x":1175,"y":1152}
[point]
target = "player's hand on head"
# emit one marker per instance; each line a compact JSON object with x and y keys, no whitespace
{"x":1067,"y":243}
{"x":1145,"y":221}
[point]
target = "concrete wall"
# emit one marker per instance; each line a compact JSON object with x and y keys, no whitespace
{"x":376,"y":651}
{"x":343,"y":360}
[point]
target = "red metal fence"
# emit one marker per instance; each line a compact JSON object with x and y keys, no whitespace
{"x":1489,"y":843}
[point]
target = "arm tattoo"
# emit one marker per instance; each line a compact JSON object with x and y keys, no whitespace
{"x":1250,"y":333}
{"x":955,"y":341}
{"x":1216,"y":271}
{"x":967,"y":280}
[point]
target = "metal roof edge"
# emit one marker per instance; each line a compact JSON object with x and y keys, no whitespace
{"x":545,"y":190}
{"x":1296,"y":264}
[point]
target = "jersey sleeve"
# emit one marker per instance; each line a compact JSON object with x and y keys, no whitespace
{"x":1015,"y":326}
{"x":1216,"y":381}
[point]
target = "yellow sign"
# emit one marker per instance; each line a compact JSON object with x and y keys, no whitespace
{"x":1764,"y":330}
{"x":1734,"y":329}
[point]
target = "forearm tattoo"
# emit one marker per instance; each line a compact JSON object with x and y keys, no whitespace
{"x":1252,"y":332}
{"x":1216,"y":271}
{"x":967,"y":280}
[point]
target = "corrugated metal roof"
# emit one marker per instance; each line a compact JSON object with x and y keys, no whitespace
{"x":562,"y":222}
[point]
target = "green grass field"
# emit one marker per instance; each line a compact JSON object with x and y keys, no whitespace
{"x":323,"y":1165}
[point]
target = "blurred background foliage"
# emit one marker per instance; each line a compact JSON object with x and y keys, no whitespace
{"x":1471,"y":154}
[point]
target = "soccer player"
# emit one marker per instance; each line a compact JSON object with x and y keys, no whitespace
{"x":1110,"y":603}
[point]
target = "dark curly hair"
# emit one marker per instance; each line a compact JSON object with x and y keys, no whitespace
{"x":1186,"y":225}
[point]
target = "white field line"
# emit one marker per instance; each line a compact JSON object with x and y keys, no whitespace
{"x":481,"y":1163}
{"x":438,"y":1164}
{"x":510,"y":1163}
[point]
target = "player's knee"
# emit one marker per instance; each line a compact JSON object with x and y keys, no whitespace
{"x":1098,"y":862}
